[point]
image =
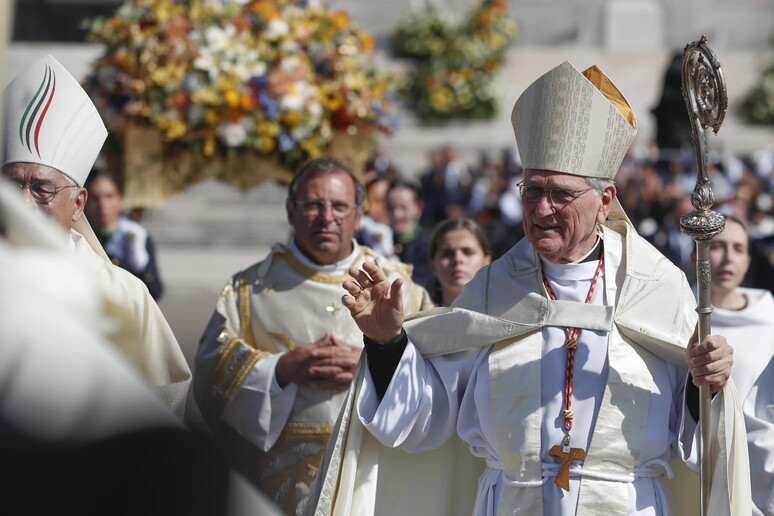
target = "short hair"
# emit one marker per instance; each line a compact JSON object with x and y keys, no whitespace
{"x":599,"y":183}
{"x":321,"y":166}
{"x":449,"y":225}
{"x":98,"y":172}
{"x":415,"y":188}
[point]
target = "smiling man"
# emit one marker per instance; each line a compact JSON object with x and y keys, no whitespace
{"x":280,"y":349}
{"x":566,"y":367}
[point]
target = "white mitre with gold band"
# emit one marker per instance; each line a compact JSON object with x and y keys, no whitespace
{"x":575,"y":123}
{"x":50,"y":120}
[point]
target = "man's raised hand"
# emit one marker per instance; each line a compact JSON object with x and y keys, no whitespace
{"x":374,"y":303}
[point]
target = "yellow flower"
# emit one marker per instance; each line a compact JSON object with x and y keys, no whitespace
{"x":211,"y":117}
{"x":209,"y":145}
{"x":292,"y":118}
{"x":340,"y":20}
{"x":231,"y":98}
{"x":266,"y":144}
{"x":441,"y":99}
{"x":267,"y":129}
{"x":312,"y":147}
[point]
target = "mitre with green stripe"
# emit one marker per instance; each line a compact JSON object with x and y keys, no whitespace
{"x":50,"y":120}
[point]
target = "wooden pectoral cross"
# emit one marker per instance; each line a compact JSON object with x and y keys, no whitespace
{"x":567,"y":455}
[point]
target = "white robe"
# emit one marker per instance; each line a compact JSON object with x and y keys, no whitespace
{"x":455,"y":390}
{"x":750,"y":332}
{"x":145,"y":336}
{"x":491,"y":402}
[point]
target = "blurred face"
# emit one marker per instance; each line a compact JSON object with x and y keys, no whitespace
{"x":729,"y":257}
{"x":564,"y":233}
{"x":325,"y":217}
{"x":377,"y":206}
{"x":403,"y":209}
{"x":104,"y":203}
{"x":48,"y":190}
{"x":458,"y":257}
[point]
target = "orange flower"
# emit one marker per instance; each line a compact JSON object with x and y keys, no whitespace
{"x":265,"y":9}
{"x":242,"y":23}
{"x":366,"y":41}
{"x":247,"y":102}
{"x":178,"y":101}
{"x":340,"y":20}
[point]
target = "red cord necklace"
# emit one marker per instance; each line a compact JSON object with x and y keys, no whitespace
{"x":565,"y":452}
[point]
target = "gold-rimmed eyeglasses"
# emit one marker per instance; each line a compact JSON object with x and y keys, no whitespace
{"x":43,"y":192}
{"x":557,"y":196}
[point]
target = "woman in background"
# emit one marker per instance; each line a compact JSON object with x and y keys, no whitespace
{"x":458,"y":249}
{"x":126,"y":242}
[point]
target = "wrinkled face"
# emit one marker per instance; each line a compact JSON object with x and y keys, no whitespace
{"x":564,"y":233}
{"x":403,"y":209}
{"x":61,"y":207}
{"x":325,"y":217}
{"x":729,"y":257}
{"x":104,"y":203}
{"x":457,"y":258}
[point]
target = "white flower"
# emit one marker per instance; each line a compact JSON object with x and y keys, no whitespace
{"x":276,"y":29}
{"x":299,"y":92}
{"x":232,"y":134}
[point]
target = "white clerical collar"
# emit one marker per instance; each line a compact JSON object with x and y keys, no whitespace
{"x":582,"y":267}
{"x":333,"y":268}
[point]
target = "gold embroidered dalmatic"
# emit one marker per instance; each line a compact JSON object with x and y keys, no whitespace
{"x":270,"y":308}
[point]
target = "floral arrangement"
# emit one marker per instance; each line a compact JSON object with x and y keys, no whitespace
{"x":278,"y":79}
{"x":455,"y":66}
{"x":758,"y":104}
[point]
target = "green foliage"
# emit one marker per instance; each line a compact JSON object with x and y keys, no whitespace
{"x":455,"y":67}
{"x":758,"y":104}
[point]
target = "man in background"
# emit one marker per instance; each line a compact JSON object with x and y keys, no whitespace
{"x":280,"y":350}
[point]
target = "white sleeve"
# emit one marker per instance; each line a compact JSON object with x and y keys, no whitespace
{"x":420,"y":407}
{"x":261,"y":407}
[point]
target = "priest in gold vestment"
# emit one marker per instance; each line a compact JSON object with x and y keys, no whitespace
{"x":280,"y":349}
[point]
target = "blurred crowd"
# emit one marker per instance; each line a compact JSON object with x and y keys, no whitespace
{"x":654,"y":187}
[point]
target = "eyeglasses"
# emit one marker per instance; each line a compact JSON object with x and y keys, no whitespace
{"x":557,"y":196}
{"x":315,"y":208}
{"x":43,"y":191}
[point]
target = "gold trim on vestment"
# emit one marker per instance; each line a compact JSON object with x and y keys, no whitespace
{"x":220,"y":371}
{"x":308,"y":428}
{"x":243,"y":368}
{"x":284,"y":340}
{"x":313,"y":275}
{"x":244,"y":309}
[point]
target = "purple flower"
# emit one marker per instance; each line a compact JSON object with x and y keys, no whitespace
{"x":285,"y":142}
{"x":269,"y":104}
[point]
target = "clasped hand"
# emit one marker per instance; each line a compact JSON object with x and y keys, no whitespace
{"x":328,"y":363}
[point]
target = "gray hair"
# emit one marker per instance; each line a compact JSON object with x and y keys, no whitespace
{"x":599,"y":183}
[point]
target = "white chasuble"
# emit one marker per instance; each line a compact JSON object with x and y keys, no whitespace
{"x":474,"y":368}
